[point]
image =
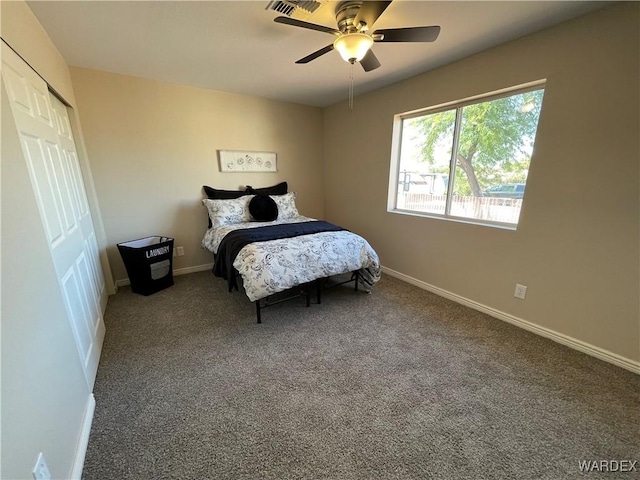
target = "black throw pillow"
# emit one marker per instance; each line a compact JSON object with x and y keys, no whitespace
{"x":279,"y":189}
{"x":216,"y":194}
{"x":263,"y":208}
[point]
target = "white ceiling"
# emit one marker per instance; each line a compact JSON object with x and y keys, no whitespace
{"x":234,"y":46}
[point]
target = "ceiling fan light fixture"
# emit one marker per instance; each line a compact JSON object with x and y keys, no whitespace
{"x":352,"y":47}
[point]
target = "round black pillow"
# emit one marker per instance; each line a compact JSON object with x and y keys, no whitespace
{"x":263,"y":208}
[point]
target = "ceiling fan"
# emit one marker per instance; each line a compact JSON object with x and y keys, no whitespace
{"x":354,"y":42}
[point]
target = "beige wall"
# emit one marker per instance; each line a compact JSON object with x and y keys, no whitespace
{"x":153,"y":145}
{"x":576,"y":246}
{"x":44,"y":392}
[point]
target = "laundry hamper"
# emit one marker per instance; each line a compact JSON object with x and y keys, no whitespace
{"x":149,"y":263}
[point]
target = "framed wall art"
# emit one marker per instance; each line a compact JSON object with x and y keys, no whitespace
{"x":243,"y":161}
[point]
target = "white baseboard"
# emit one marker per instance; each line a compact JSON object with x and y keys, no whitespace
{"x":179,"y":271}
{"x":602,"y":354}
{"x":197,"y":268}
{"x":83,"y":439}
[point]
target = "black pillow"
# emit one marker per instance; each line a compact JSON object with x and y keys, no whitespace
{"x":215,"y":194}
{"x":279,"y":189}
{"x":263,"y":208}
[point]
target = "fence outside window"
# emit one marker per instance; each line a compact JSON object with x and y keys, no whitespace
{"x":501,"y":210}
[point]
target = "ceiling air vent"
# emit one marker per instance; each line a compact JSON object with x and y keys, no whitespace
{"x":294,"y":8}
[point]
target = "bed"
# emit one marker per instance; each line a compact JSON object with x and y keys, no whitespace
{"x":275,"y":250}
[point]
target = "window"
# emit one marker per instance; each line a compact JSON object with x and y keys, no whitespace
{"x":467,"y":161}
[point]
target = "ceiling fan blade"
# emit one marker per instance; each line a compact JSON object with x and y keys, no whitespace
{"x":316,"y":54}
{"x":369,"y":13}
{"x":310,"y":26}
{"x":370,"y":61}
{"x":409,"y":34}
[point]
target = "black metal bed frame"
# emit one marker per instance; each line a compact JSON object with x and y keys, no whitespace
{"x":306,"y":292}
{"x":260,"y":305}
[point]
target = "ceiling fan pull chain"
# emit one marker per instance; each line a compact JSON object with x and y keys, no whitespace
{"x":351,"y":88}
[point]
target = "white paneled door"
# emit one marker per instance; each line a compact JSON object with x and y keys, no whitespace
{"x":47,"y":142}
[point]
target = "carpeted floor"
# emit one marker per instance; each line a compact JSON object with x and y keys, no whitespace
{"x":400,"y":384}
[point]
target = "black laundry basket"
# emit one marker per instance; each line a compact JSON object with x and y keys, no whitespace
{"x":149,"y":263}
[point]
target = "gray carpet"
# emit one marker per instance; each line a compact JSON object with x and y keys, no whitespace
{"x":400,"y":384}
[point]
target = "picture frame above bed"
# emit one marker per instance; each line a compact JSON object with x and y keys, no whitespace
{"x":242,"y":161}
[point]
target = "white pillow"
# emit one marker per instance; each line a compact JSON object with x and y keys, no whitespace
{"x":286,"y":205}
{"x":228,"y":212}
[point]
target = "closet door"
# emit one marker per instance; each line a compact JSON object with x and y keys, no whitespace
{"x":47,"y":143}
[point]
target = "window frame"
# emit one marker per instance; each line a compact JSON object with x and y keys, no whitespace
{"x":457,"y":106}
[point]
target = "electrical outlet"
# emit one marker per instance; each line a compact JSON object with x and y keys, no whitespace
{"x":180,"y":251}
{"x":41,"y":470}
{"x":521,"y":291}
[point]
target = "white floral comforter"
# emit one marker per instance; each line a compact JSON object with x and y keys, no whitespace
{"x":277,"y":265}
